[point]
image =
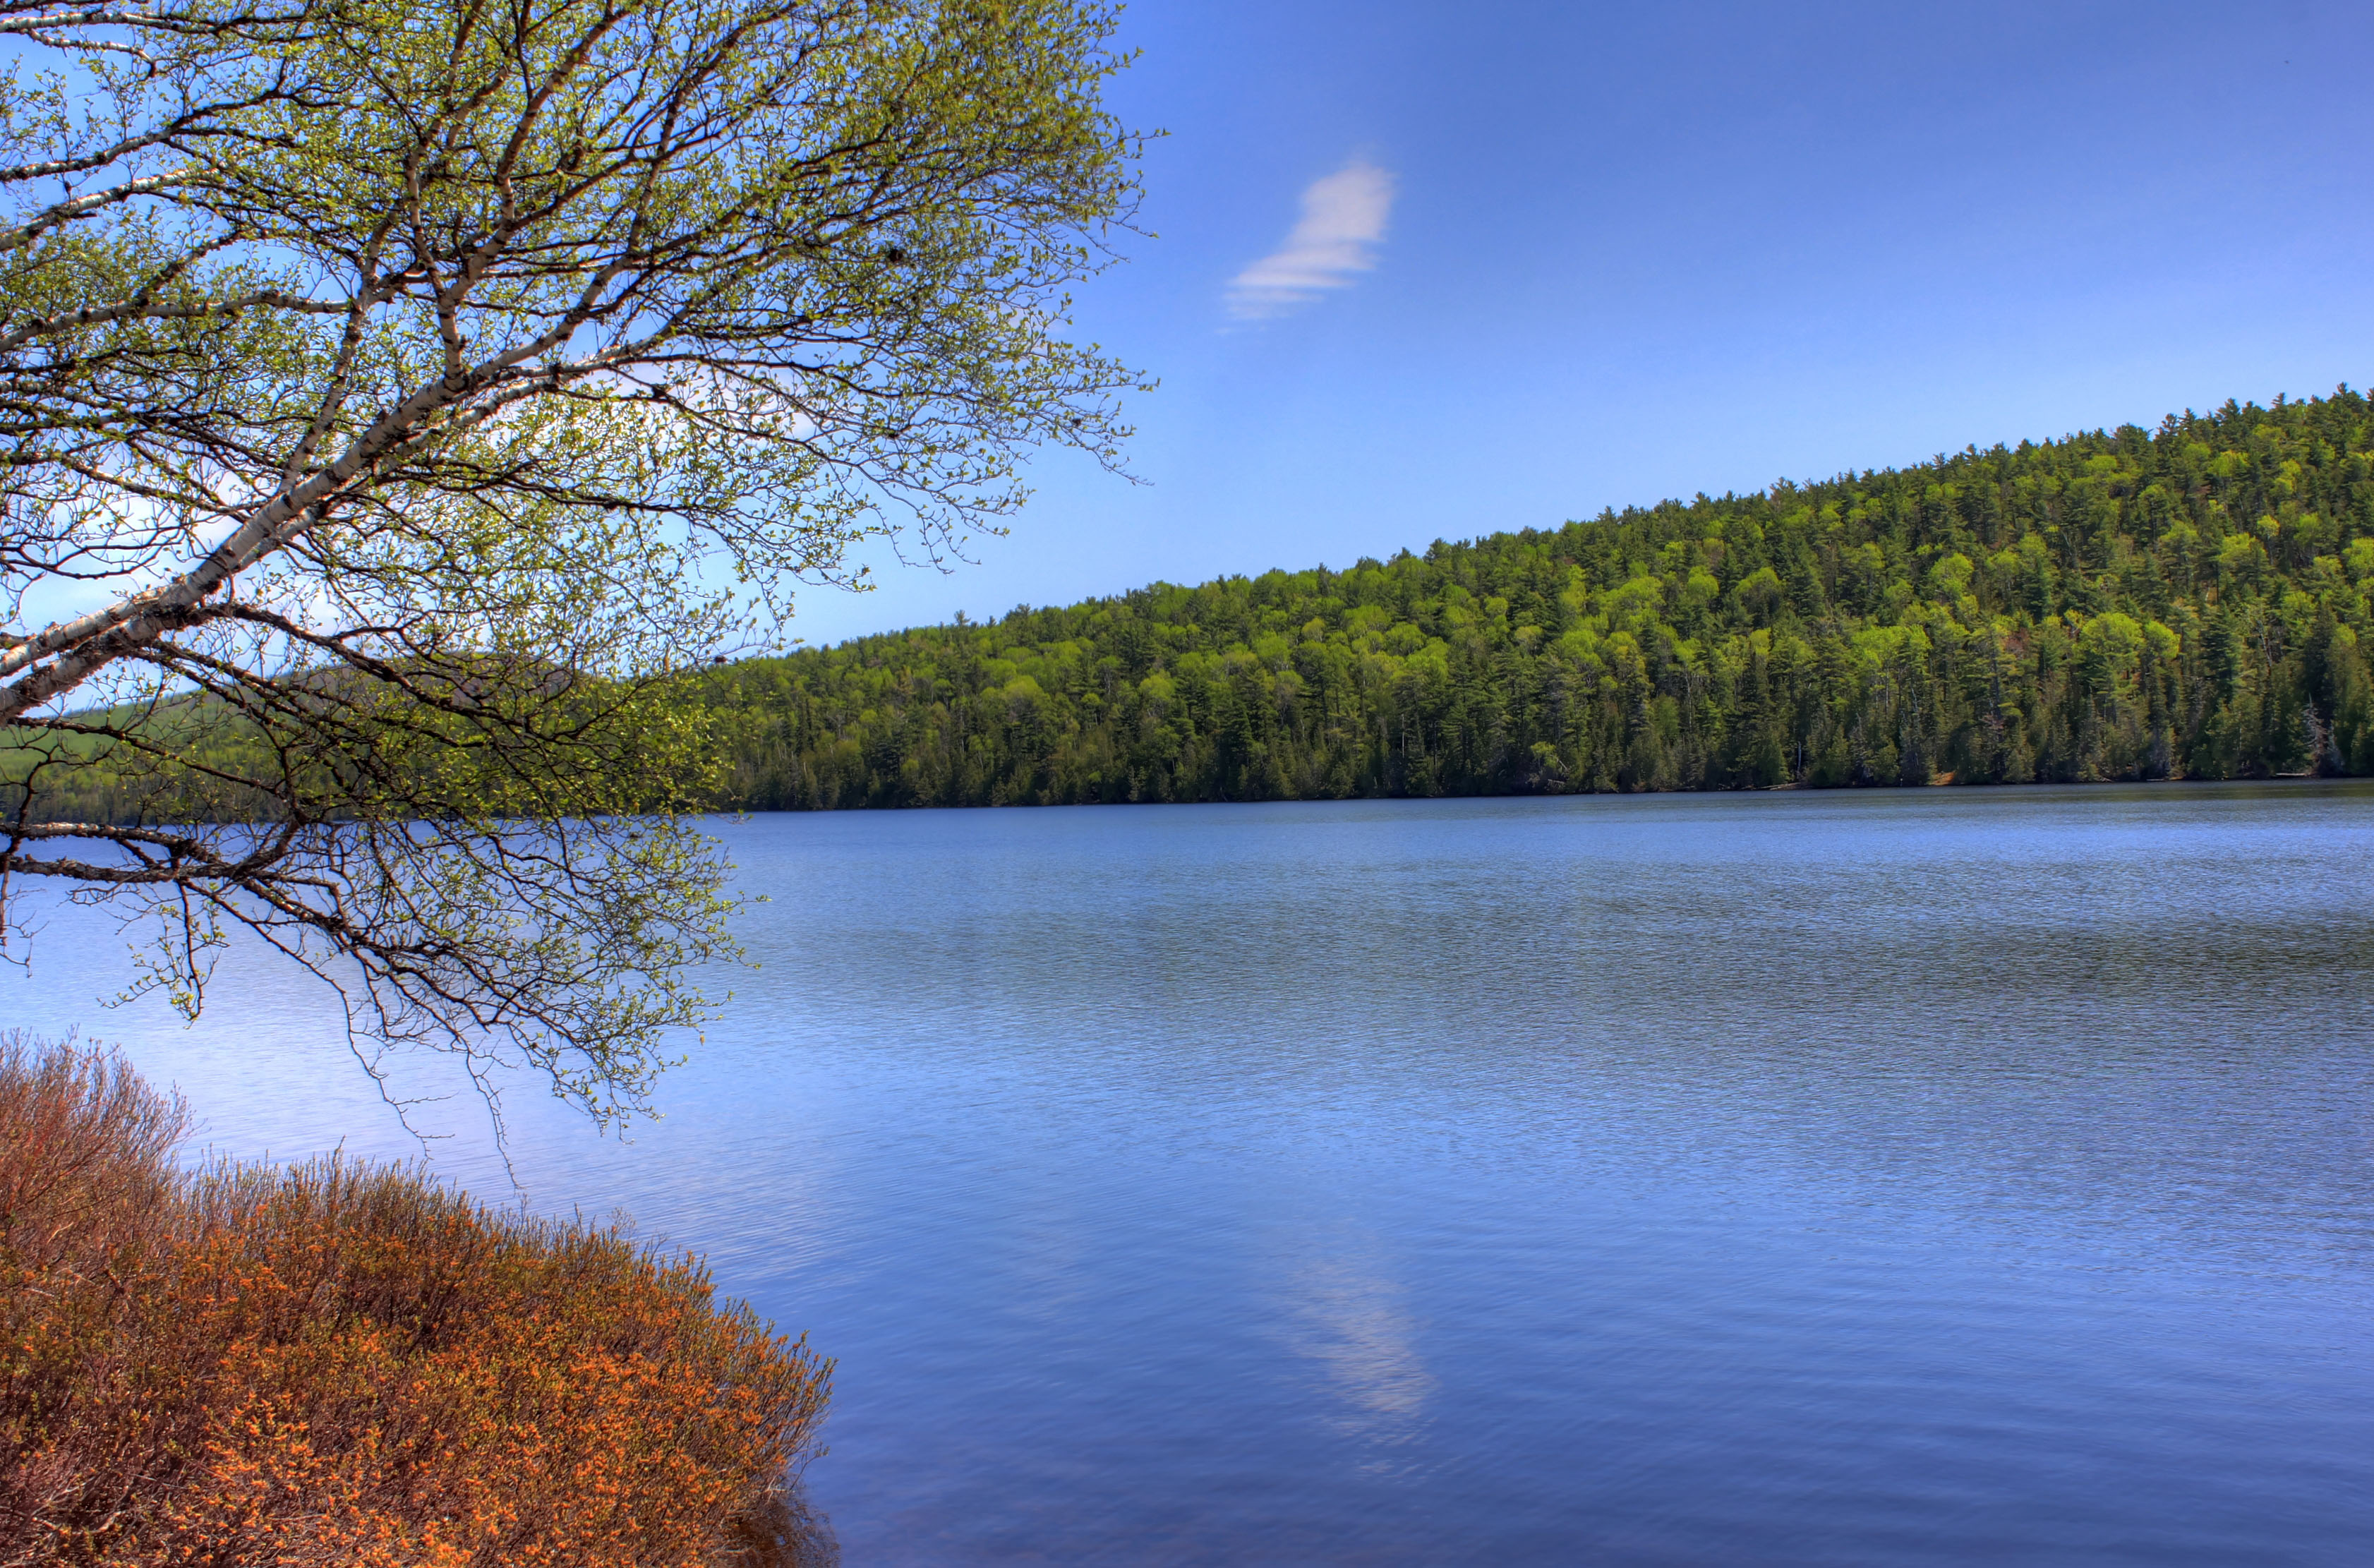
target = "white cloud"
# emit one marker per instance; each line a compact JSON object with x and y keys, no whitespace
{"x":1343,"y":218}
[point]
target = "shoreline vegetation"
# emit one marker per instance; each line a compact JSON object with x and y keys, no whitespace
{"x":343,"y":1363}
{"x":2186,"y":603}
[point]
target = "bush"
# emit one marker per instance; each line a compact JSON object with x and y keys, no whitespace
{"x":339,"y":1363}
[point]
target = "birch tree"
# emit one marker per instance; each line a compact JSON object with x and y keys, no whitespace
{"x":397,"y":401}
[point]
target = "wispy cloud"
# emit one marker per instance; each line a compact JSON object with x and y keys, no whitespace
{"x":1335,"y":241}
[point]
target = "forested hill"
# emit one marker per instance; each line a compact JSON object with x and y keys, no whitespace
{"x":2191,"y":603}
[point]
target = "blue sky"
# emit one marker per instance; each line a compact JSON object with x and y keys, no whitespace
{"x":1564,"y":257}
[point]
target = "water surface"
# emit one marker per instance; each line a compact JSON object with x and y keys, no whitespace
{"x":1900,"y":1176}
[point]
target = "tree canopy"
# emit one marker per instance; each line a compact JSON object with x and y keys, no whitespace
{"x":398,"y":401}
{"x":2190,"y":601}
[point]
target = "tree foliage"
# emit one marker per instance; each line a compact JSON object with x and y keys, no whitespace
{"x":398,"y":401}
{"x":2191,"y":602}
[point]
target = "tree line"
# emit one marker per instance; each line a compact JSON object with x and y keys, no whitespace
{"x":2191,"y":602}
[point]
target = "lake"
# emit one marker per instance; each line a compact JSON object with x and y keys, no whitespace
{"x":1907,"y":1176}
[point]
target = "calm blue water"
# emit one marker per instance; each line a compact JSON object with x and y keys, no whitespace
{"x":1913,"y":1177}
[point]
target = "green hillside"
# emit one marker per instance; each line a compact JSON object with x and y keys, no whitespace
{"x":2186,"y":603}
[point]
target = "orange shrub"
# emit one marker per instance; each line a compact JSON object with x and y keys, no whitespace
{"x":347,"y":1365}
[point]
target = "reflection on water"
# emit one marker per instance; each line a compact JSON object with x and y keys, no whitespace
{"x":1356,"y":1328}
{"x":784,"y":1531}
{"x":1910,"y":1176}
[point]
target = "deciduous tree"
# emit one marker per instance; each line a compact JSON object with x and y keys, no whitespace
{"x":397,"y":400}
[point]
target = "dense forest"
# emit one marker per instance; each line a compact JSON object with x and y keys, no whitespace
{"x":2191,"y":602}
{"x":2188,"y":602}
